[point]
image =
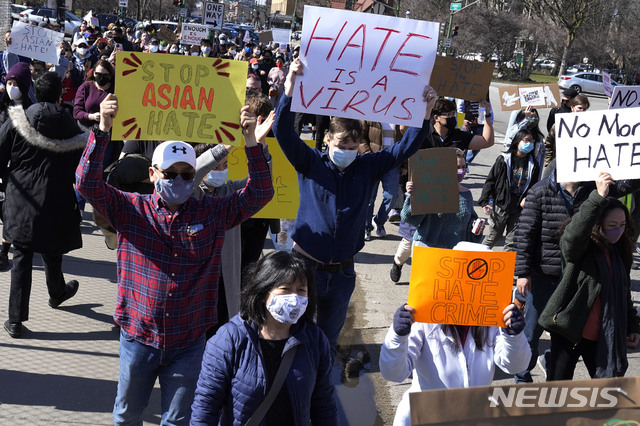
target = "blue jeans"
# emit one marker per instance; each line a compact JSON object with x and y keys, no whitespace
{"x":140,"y":365}
{"x":471,"y":154}
{"x":390,"y":182}
{"x":542,"y":287}
{"x":334,"y":292}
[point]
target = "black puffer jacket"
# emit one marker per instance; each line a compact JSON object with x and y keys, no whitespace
{"x":43,"y":147}
{"x":545,"y":210}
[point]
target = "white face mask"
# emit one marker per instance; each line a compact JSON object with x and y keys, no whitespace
{"x":287,"y":308}
{"x":194,"y":53}
{"x":232,"y":52}
{"x":206,"y":50}
{"x":14,"y":93}
{"x":343,"y":157}
{"x":81,"y":51}
{"x":216,"y":177}
{"x":257,"y":52}
{"x":153,"y":48}
{"x":173,"y":50}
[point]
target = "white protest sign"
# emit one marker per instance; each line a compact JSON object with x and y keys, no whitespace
{"x":90,"y":19}
{"x":365,"y":66}
{"x":194,"y":33}
{"x":606,"y":83}
{"x":281,"y":35}
{"x":213,"y":14}
{"x":35,"y":42}
{"x":625,"y":97}
{"x":532,"y":96}
{"x":123,"y":3}
{"x":591,"y":142}
{"x":247,"y":37}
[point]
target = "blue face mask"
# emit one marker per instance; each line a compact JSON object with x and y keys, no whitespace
{"x":526,"y":147}
{"x":343,"y":157}
{"x":216,"y":177}
{"x":174,"y":191}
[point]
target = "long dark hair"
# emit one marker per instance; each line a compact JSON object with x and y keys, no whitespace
{"x":480,"y":335}
{"x":625,"y":245}
{"x":513,"y":148}
{"x":535,"y":132}
{"x":267,"y":273}
{"x":104,"y":64}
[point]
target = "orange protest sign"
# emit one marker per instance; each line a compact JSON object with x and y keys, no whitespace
{"x":460,"y":287}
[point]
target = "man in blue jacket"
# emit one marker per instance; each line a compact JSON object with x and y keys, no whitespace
{"x":335,"y":187}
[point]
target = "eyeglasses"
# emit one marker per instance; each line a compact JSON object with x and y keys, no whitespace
{"x":173,"y":175}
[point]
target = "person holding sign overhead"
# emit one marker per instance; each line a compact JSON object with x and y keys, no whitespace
{"x":443,"y":356}
{"x":591,"y":313}
{"x":169,"y":246}
{"x":444,"y":133}
{"x":335,"y":188}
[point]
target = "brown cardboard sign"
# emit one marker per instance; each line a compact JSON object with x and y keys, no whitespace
{"x":461,"y":78}
{"x":538,"y":96}
{"x":565,"y":402}
{"x":433,"y":172}
{"x":265,"y":36}
{"x":164,"y":33}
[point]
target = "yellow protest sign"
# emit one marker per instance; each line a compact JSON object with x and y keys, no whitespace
{"x":286,"y":199}
{"x":176,"y":97}
{"x":460,"y":287}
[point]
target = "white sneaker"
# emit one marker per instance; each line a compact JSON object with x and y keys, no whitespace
{"x":380,"y":232}
{"x":367,"y":234}
{"x":542,"y":363}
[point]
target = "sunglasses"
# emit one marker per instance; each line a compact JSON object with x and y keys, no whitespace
{"x":172,"y":175}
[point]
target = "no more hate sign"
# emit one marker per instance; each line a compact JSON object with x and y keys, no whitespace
{"x":591,"y":142}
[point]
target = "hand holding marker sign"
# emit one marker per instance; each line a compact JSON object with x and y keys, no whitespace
{"x":168,"y":97}
{"x":364,"y":66}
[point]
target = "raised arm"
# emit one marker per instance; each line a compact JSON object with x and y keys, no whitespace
{"x":487,"y":138}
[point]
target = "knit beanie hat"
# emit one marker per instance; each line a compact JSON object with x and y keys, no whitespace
{"x":21,"y":73}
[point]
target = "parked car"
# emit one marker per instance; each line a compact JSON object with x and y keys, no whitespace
{"x":545,"y":64}
{"x":107,"y":18}
{"x":37,"y":14}
{"x":572,"y":69}
{"x":587,"y":82}
{"x":16,"y":9}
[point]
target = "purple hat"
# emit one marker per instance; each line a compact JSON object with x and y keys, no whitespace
{"x":21,"y":73}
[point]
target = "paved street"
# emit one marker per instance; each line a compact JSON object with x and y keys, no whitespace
{"x":64,"y":369}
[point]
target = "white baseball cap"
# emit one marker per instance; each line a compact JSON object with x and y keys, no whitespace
{"x":170,"y":152}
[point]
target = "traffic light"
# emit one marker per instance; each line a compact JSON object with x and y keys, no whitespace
{"x":442,"y":28}
{"x":176,"y":3}
{"x":455,"y":31}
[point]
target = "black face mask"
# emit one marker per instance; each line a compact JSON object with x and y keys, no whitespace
{"x":451,"y":123}
{"x":102,"y":80}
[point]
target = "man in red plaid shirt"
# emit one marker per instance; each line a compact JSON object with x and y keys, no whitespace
{"x":169,"y":247}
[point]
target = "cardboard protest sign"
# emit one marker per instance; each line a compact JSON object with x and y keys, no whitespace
{"x":193,"y":33}
{"x":460,"y":78}
{"x":519,"y":97}
{"x":606,"y":83}
{"x":460,"y":287}
{"x":286,"y":199}
{"x":213,"y":14}
{"x":265,"y":36}
{"x":593,"y":402}
{"x":164,"y":33}
{"x":625,"y":97}
{"x":591,"y":142}
{"x":364,"y":66}
{"x":433,"y":172}
{"x":35,"y":42}
{"x":189,"y":98}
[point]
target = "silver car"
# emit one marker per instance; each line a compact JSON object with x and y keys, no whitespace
{"x":588,"y":82}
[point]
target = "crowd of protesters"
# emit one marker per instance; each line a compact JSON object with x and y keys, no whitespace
{"x":234,"y":347}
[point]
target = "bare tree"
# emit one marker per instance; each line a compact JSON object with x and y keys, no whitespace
{"x":5,"y":18}
{"x":569,"y":15}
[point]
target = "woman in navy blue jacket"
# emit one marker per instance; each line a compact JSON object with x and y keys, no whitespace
{"x":241,"y":361}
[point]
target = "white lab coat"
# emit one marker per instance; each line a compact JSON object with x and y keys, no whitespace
{"x":428,"y":353}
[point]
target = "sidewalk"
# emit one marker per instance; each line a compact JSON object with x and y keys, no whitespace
{"x":64,"y":368}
